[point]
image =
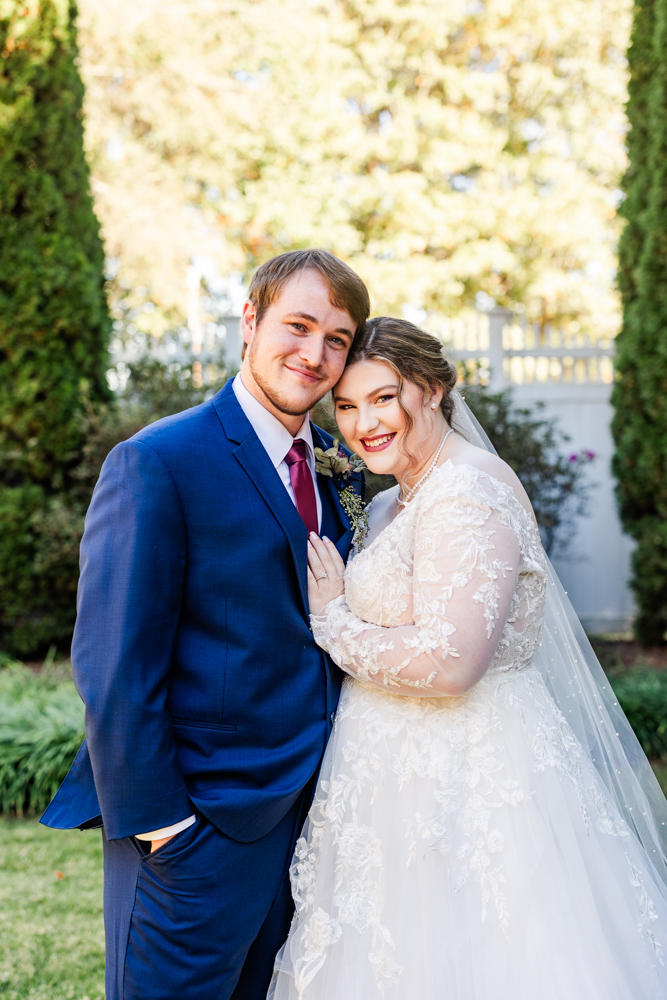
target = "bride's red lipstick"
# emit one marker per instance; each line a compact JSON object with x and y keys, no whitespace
{"x":367,"y":442}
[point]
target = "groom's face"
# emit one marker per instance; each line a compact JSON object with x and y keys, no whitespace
{"x":297,"y":351}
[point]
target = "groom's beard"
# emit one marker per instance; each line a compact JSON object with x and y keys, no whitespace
{"x":280,"y":400}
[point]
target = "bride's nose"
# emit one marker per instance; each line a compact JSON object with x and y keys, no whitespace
{"x":367,"y":422}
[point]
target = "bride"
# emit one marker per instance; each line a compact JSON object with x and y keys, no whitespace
{"x":485,"y":826}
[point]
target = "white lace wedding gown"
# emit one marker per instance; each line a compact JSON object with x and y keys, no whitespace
{"x":460,"y":845}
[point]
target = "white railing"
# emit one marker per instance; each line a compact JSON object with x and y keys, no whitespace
{"x":497,"y":348}
{"x":500,"y":349}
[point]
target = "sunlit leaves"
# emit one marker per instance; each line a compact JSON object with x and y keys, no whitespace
{"x":440,"y":148}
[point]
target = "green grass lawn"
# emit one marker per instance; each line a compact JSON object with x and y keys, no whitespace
{"x":51,"y":934}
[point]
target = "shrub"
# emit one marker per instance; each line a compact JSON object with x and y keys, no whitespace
{"x":642,"y":694}
{"x":41,"y":729}
{"x":531,"y":444}
{"x":45,"y":529}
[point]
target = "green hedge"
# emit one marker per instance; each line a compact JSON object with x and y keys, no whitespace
{"x":39,"y":553}
{"x":642,"y":694}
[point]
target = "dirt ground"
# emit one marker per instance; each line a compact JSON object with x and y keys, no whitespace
{"x":616,"y":653}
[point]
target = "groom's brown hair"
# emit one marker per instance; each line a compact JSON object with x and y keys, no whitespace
{"x":346,"y":289}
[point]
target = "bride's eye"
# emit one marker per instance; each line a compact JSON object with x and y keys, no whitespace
{"x":344,"y":406}
{"x":383,"y":399}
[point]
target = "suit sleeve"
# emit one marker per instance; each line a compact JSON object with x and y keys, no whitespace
{"x":133,"y":556}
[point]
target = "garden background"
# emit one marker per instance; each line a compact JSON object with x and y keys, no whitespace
{"x":464,"y":158}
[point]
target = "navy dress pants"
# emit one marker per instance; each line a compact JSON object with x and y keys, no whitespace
{"x":201,"y":918}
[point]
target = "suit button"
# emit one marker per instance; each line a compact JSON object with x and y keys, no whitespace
{"x":332,"y":717}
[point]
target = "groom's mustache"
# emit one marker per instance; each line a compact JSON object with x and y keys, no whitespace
{"x":316,"y":373}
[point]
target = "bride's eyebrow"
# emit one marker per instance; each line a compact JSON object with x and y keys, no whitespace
{"x":342,"y":399}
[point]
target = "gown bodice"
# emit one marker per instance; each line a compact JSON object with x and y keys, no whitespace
{"x":453,"y":586}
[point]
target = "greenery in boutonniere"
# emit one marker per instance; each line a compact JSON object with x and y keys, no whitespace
{"x":334,"y":462}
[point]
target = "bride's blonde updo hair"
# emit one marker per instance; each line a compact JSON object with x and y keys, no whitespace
{"x":412,"y":354}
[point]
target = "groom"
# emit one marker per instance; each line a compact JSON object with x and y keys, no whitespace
{"x":208,"y":702}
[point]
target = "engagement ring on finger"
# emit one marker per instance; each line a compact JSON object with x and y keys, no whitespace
{"x":322,"y":576}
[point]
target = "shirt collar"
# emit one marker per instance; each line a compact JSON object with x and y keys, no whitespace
{"x":275,"y":438}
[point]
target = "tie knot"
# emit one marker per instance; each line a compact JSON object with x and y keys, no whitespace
{"x":297,"y":452}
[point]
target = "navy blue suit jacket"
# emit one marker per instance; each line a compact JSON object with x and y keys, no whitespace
{"x":192,"y":652}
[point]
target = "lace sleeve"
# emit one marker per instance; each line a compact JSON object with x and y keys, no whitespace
{"x":466,"y":566}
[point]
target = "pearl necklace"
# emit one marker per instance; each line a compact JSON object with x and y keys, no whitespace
{"x":408,"y":497}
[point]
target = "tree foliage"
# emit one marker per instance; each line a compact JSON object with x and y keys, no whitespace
{"x":53,"y":316}
{"x":640,"y":394}
{"x":440,"y":148}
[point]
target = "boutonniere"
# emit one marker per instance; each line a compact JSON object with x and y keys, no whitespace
{"x":335,"y":463}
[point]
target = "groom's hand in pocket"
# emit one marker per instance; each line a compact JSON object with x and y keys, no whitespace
{"x":155,"y":844}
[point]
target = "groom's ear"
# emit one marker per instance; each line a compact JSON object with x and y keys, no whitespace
{"x":248,"y":324}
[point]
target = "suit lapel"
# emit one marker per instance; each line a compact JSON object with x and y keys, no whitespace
{"x":257,"y":464}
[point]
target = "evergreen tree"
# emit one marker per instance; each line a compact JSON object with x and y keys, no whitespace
{"x":640,"y":395}
{"x":54,"y":322}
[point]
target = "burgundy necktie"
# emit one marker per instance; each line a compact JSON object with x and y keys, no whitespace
{"x":302,"y":484}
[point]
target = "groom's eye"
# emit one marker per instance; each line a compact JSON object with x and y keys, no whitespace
{"x":299,"y":326}
{"x":337,"y":341}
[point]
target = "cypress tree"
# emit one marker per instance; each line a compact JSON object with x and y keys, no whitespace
{"x":54,"y":322}
{"x":640,"y":393}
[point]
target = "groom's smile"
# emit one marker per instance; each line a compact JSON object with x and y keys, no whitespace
{"x":296,"y":351}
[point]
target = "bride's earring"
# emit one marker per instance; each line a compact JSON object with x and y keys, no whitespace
{"x":434,"y":406}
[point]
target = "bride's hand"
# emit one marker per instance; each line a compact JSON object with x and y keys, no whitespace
{"x":325,"y":573}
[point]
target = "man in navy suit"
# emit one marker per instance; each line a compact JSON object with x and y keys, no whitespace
{"x":208,"y":702}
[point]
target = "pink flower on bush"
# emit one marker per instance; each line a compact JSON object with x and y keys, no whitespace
{"x":586,"y":455}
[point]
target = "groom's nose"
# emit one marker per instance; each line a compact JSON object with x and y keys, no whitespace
{"x":311,"y":350}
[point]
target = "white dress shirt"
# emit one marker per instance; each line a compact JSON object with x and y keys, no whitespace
{"x":276,"y":441}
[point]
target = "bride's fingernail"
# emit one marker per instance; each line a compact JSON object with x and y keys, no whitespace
{"x":324,"y":538}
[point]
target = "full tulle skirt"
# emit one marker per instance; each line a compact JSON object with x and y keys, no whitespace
{"x":465,"y":849}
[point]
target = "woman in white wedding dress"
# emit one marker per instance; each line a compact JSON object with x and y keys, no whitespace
{"x":484,"y":827}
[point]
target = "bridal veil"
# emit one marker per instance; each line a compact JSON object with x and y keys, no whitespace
{"x":578,"y":685}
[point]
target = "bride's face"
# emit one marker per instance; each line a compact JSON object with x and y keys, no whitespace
{"x":372,"y":422}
